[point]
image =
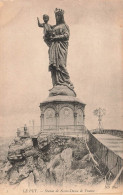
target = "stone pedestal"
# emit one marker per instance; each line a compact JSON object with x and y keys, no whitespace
{"x":61,"y":90}
{"x":62,"y":112}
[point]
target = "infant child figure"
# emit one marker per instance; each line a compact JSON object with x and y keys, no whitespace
{"x":47,"y":29}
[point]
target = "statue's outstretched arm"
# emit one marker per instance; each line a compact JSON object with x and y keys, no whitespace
{"x":39,"y":24}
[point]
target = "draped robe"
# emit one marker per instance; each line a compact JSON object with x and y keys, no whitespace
{"x":58,"y":56}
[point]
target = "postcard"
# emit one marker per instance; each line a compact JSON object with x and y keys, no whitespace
{"x":61,"y":97}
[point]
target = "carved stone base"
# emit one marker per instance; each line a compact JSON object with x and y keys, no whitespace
{"x":61,"y":90}
{"x":62,"y":113}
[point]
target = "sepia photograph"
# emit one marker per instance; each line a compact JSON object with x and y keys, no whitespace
{"x":61,"y":97}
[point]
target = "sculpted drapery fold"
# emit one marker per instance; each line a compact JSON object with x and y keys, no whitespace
{"x":58,"y":56}
{"x":56,"y":37}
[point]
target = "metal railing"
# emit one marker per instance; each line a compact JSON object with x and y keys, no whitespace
{"x":52,"y":129}
{"x":62,"y":127}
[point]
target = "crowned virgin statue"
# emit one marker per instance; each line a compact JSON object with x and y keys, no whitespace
{"x":57,"y":38}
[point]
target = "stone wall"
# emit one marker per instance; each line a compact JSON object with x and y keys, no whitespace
{"x":112,"y":161}
{"x":114,"y":132}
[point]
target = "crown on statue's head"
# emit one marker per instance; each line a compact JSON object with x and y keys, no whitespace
{"x":59,"y":11}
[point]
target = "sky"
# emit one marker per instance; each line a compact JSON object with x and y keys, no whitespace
{"x":94,"y":62}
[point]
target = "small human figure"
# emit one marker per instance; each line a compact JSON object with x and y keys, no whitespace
{"x":25,"y":130}
{"x":47,"y":28}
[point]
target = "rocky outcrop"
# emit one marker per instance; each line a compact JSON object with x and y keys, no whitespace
{"x":20,"y":149}
{"x":5,"y":168}
{"x":54,"y":160}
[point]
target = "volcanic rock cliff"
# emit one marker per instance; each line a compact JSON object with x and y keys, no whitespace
{"x":49,"y":160}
